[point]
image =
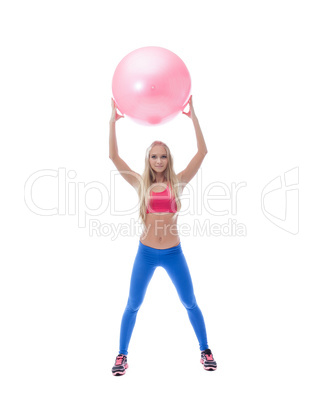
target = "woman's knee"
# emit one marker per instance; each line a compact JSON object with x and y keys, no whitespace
{"x":133,"y":305}
{"x":189,"y":303}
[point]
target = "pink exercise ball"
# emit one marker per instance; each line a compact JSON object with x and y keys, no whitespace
{"x":151,"y":85}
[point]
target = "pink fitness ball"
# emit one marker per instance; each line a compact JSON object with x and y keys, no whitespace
{"x":151,"y":85}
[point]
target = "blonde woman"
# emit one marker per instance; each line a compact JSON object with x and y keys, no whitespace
{"x":159,"y":189}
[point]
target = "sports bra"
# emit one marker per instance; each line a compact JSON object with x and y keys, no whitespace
{"x":161,"y":202}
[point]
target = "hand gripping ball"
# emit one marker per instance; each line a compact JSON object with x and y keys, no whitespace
{"x":151,"y":85}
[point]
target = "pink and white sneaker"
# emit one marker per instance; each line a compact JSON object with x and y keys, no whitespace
{"x":120,"y":365}
{"x":208,"y":361}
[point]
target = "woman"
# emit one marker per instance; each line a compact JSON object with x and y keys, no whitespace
{"x":159,"y":189}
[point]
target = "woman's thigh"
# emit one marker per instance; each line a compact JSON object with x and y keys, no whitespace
{"x":178,"y":271}
{"x":142,"y":272}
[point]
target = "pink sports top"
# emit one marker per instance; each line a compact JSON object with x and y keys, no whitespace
{"x":161,"y":202}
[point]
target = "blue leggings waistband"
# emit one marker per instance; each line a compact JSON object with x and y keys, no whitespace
{"x":159,"y":251}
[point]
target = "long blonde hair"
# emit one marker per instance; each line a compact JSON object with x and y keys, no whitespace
{"x":148,"y":178}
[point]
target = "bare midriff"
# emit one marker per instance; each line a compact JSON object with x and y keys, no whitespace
{"x":161,"y":230}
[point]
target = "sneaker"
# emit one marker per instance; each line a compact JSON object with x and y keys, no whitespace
{"x":208,"y":361}
{"x":120,"y":365}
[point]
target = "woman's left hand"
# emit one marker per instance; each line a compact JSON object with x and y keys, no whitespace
{"x":191,"y":112}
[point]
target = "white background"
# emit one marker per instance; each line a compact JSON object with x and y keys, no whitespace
{"x":256,"y":83}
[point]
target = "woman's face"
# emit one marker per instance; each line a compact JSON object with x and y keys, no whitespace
{"x":158,"y":158}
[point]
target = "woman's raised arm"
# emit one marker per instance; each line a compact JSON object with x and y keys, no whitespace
{"x":128,"y":174}
{"x":189,"y":172}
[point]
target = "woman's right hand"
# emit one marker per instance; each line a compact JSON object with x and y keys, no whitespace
{"x":115,"y":116}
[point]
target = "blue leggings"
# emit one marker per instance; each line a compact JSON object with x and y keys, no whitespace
{"x":174,"y":262}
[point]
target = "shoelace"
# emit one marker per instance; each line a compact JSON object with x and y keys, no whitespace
{"x":208,"y":354}
{"x":119,"y":360}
